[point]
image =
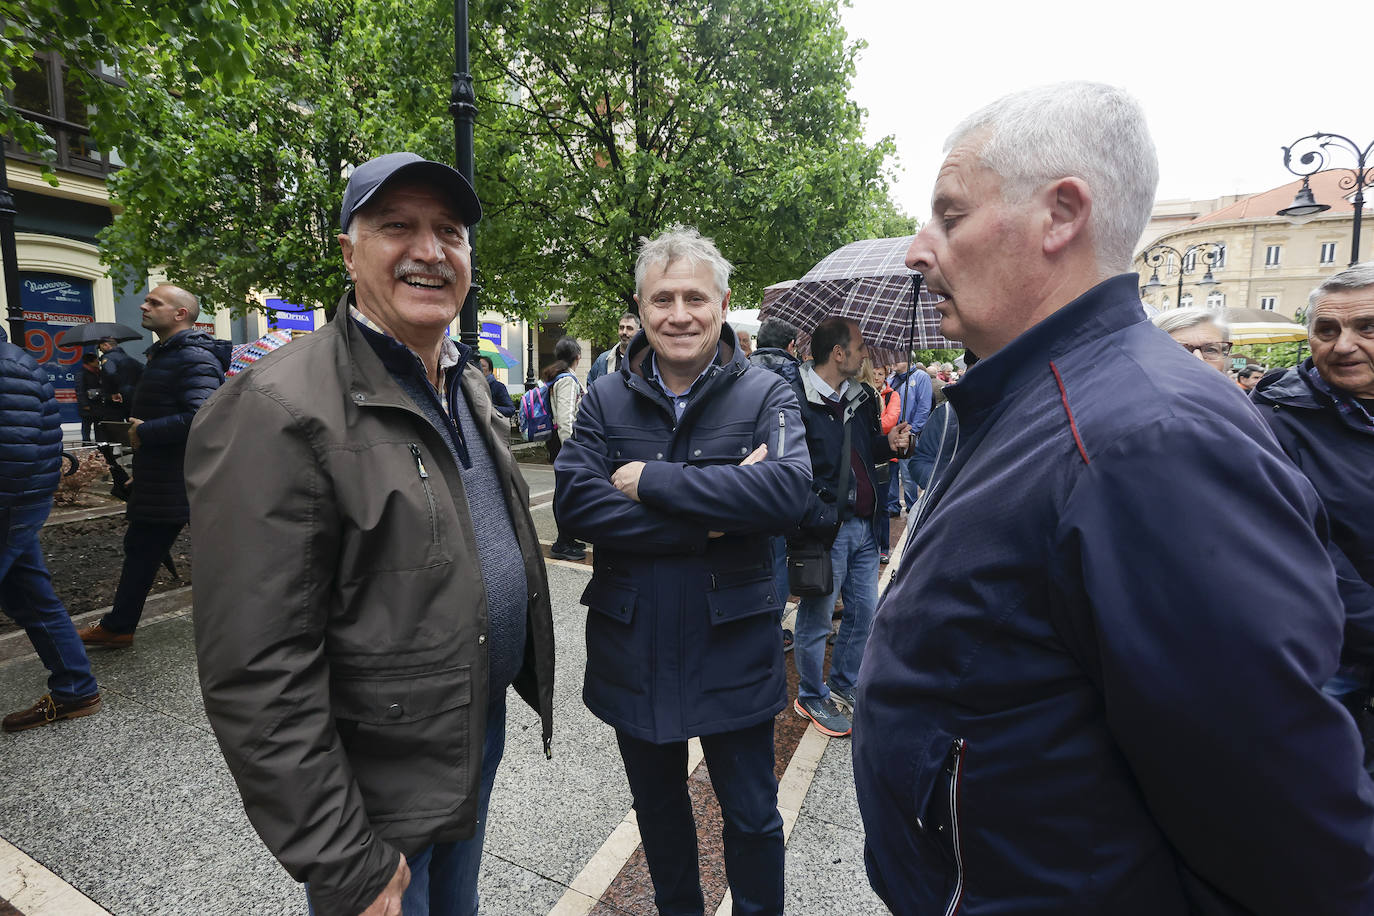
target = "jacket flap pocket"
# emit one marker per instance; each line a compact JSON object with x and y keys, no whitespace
{"x":614,"y":599}
{"x":732,"y":600}
{"x":652,"y":445}
{"x":398,"y":699}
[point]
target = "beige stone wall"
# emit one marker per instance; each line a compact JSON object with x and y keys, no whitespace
{"x":1245,"y":279}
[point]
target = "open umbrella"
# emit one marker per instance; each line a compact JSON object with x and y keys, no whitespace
{"x":500,"y":357}
{"x":244,"y":355}
{"x":96,"y":331}
{"x":1256,"y":326}
{"x":771,"y":293}
{"x":869,"y":282}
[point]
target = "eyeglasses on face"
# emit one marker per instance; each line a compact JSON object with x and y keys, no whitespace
{"x":1213,"y":351}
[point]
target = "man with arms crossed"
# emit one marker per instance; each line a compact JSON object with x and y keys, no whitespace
{"x":1065,"y":707}
{"x":368,"y":578}
{"x":680,"y":468}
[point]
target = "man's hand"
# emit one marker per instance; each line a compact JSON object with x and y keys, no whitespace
{"x":133,"y":432}
{"x":900,"y":438}
{"x":388,"y":902}
{"x":626,"y":479}
{"x":117,"y":398}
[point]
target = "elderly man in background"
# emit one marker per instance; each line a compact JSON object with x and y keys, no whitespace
{"x":678,"y":471}
{"x":609,"y":361}
{"x":1322,"y":412}
{"x":360,"y":487}
{"x":1066,"y":707}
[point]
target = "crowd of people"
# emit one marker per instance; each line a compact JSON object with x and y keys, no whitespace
{"x":1123,"y":665}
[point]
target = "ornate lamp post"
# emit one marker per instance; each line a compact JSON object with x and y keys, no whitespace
{"x":463,"y":106}
{"x":1318,"y":148}
{"x":1157,"y":256}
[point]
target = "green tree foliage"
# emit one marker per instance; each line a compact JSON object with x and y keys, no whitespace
{"x":212,"y":40}
{"x":606,"y":120}
{"x":599,"y":122}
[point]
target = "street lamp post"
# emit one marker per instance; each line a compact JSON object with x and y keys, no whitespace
{"x":463,"y":106}
{"x":9,"y":256}
{"x":1156,"y":256}
{"x":1318,"y":148}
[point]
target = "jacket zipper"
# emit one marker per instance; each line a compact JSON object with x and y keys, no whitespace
{"x":782,"y":432}
{"x":956,"y":753}
{"x":429,"y":493}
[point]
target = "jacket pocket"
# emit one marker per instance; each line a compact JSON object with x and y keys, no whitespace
{"x":744,"y":644}
{"x":616,"y":647}
{"x":938,"y":807}
{"x":407,"y":739}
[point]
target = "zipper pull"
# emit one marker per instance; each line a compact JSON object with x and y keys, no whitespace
{"x":782,"y":431}
{"x":419,"y":462}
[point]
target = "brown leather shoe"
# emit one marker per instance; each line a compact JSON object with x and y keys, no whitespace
{"x":48,"y":710}
{"x":98,"y":636}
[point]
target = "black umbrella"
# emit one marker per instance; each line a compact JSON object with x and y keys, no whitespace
{"x":97,"y":331}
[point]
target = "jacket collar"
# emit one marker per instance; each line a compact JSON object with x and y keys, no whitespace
{"x":1105,"y":309}
{"x":853,"y":395}
{"x":1287,"y":387}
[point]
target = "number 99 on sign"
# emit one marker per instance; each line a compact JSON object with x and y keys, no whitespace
{"x":46,"y":349}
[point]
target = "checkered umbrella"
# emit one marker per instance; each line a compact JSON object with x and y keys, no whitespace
{"x":869,"y":282}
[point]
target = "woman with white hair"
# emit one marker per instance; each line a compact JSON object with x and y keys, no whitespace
{"x":1202,"y":332}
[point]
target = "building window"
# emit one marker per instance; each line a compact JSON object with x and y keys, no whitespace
{"x":53,"y":97}
{"x":1328,"y":252}
{"x":1189,"y":262}
{"x":1220,"y":261}
{"x":1269,"y":303}
{"x":1271,"y":255}
{"x":1216,"y":300}
{"x":1186,"y":302}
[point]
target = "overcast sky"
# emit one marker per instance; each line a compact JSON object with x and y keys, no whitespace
{"x":1221,"y":99}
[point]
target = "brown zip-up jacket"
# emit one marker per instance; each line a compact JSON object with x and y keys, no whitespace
{"x":340,"y":613}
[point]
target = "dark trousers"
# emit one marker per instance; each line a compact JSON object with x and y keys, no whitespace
{"x":145,"y":544}
{"x":740,"y":764}
{"x":553,"y":446}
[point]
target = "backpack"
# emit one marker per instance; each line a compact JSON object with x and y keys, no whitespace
{"x":536,"y":418}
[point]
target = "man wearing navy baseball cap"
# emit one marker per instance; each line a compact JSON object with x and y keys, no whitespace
{"x":360,"y":697}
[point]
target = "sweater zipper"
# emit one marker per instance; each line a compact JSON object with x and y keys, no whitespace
{"x":956,"y":772}
{"x":429,"y":493}
{"x":782,"y":432}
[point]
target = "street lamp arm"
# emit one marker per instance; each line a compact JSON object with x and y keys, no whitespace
{"x":1317,"y":151}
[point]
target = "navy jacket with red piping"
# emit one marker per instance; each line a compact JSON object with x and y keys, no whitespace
{"x":1093,"y":686}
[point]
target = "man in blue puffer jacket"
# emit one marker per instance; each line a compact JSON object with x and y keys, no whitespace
{"x":30,"y":466}
{"x":667,"y":474}
{"x":185,"y":366}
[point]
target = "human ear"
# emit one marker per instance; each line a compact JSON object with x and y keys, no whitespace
{"x":1068,"y":205}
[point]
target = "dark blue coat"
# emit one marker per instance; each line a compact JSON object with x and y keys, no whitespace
{"x":1339,"y":461}
{"x":119,"y":374}
{"x":30,"y":430}
{"x":182,"y":372}
{"x":825,"y":439}
{"x":1094,"y":685}
{"x":682,"y":628}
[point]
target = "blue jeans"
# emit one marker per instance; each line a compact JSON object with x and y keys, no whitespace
{"x":909,"y":488}
{"x":894,"y":486}
{"x":740,"y":764}
{"x":27,"y":597}
{"x":145,"y":544}
{"x":443,"y":876}
{"x":854,"y":559}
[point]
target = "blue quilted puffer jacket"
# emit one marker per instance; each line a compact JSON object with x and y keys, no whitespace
{"x":182,"y":372}
{"x":30,"y":430}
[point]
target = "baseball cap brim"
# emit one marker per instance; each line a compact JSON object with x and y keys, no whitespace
{"x":375,"y":174}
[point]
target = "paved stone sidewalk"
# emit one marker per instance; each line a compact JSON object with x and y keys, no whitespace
{"x":135,"y":809}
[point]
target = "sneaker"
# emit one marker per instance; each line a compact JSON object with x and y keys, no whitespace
{"x":843,"y":699}
{"x":97,"y":636}
{"x":567,"y":552}
{"x":787,"y":640}
{"x":48,"y":710}
{"x":825,"y":715}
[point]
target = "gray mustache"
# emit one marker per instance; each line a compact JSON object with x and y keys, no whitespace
{"x":437,"y":269}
